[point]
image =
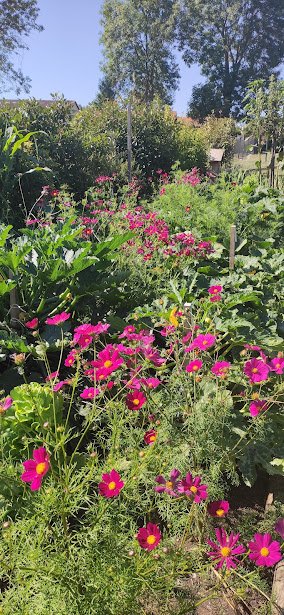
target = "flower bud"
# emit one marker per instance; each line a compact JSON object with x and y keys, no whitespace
{"x":131,"y":553}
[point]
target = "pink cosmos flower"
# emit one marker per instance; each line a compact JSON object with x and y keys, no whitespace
{"x":279,"y":527}
{"x":152,"y":383}
{"x":264,"y":551}
{"x":36,"y":468}
{"x":70,"y":359}
{"x":89,"y":330}
{"x":220,"y":368}
{"x":218,"y":509}
{"x":202,"y":342}
{"x":215,"y":291}
{"x":194,"y":366}
{"x":52,"y":376}
{"x":256,"y":406}
{"x":59,"y":385}
{"x":256,"y":370}
{"x":225,"y":552}
{"x":215,"y":298}
{"x":128,"y":332}
{"x":252,"y":347}
{"x":5,"y":404}
{"x":191,"y":487}
{"x":58,"y":319}
{"x":169,"y":486}
{"x":111,"y":484}
{"x":135,"y":400}
{"x":277,"y":365}
{"x":126,"y":350}
{"x":153,"y":356}
{"x":83,"y":340}
{"x":149,"y":536}
{"x":32,"y":324}
{"x":109,"y":359}
{"x":89,"y":393}
{"x":150,"y":436}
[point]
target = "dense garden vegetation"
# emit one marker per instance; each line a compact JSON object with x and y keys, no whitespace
{"x":141,"y":386}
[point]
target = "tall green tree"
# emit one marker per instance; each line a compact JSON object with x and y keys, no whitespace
{"x":17,"y":19}
{"x":138,"y":48}
{"x":235,"y":42}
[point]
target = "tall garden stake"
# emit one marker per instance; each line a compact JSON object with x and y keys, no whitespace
{"x":232,"y":246}
{"x":129,"y":142}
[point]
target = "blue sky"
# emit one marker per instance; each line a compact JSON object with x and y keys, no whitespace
{"x":66,"y":56}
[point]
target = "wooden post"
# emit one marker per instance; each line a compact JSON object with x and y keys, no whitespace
{"x":233,"y":236}
{"x":129,"y":142}
{"x":14,"y":305}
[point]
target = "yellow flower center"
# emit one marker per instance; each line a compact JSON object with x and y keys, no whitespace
{"x":225,"y":551}
{"x":152,"y":438}
{"x":193,"y":489}
{"x":220,"y":512}
{"x":278,"y":365}
{"x":151,"y":539}
{"x":215,"y":291}
{"x":205,"y":342}
{"x":136,"y":402}
{"x":264,"y":552}
{"x":169,"y":484}
{"x":40,"y":467}
{"x":254,"y":370}
{"x":195,"y":368}
{"x":112,"y":485}
{"x":90,"y":394}
{"x":108,"y":363}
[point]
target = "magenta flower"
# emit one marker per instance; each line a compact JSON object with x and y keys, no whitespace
{"x":135,"y":400}
{"x":277,"y":365}
{"x":264,"y":551}
{"x":5,"y":404}
{"x":149,"y":536}
{"x":84,"y":340}
{"x":219,"y":508}
{"x":279,"y":527}
{"x":70,"y":359}
{"x":191,"y":487}
{"x":215,"y":290}
{"x":202,"y":342}
{"x":194,"y":366}
{"x":129,"y":332}
{"x":225,"y":552}
{"x":36,"y":468}
{"x":256,"y":406}
{"x":215,"y":298}
{"x":111,"y":484}
{"x":32,"y":324}
{"x":88,"y":330}
{"x":108,"y":359}
{"x":256,"y":370}
{"x":59,"y":385}
{"x":221,"y":368}
{"x":152,"y":383}
{"x":150,"y":436}
{"x":169,"y":486}
{"x":58,"y":319}
{"x":89,"y":393}
{"x":52,"y":376}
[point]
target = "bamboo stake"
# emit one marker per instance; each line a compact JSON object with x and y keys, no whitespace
{"x":233,"y":236}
